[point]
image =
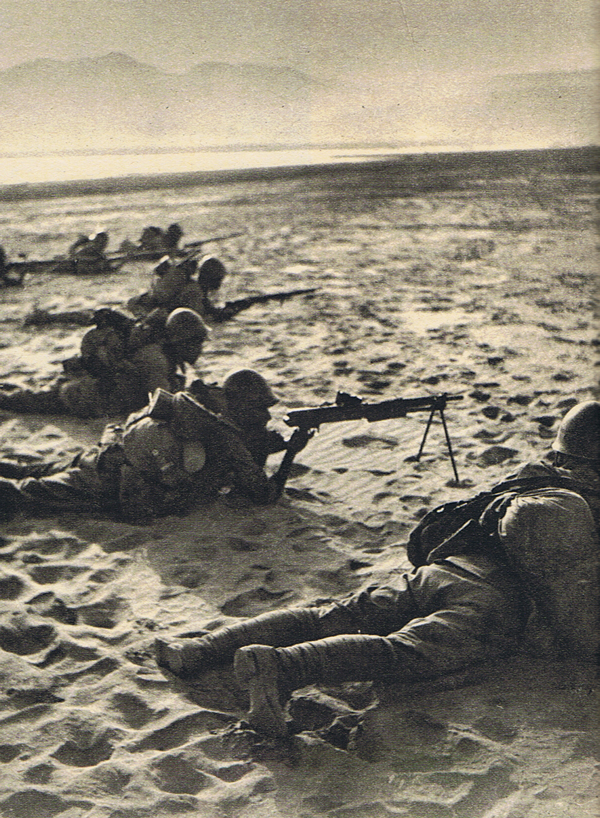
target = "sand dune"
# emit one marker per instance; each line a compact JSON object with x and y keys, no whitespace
{"x":484,"y":291}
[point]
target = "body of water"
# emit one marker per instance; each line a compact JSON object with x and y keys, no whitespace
{"x":18,"y":170}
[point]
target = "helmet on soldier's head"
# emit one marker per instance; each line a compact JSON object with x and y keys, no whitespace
{"x":100,"y":240}
{"x":579,"y":432}
{"x":173,"y":234}
{"x":184,"y":324}
{"x":248,"y":384}
{"x":211,"y":273}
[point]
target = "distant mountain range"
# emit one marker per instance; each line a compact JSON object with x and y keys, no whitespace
{"x":114,"y":103}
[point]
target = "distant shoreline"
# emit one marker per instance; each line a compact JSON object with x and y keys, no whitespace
{"x":487,"y":164}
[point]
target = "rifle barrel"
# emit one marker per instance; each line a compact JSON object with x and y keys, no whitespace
{"x":394,"y":408}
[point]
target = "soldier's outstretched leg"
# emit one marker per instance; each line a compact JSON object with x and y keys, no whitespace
{"x":272,"y":673}
{"x":446,"y":616}
{"x":29,"y":401}
{"x":191,"y":657}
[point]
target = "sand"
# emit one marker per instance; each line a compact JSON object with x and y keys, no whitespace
{"x":479,"y":285}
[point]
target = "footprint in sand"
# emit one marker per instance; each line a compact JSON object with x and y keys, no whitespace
{"x":49,"y":574}
{"x":135,"y":712}
{"x":24,"y":635}
{"x":30,"y":802}
{"x":176,"y":774}
{"x":80,"y":753}
{"x":48,"y":604}
{"x":180,"y":730}
{"x":11,"y":586}
{"x":253,"y":602}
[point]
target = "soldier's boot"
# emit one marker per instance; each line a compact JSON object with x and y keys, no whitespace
{"x":190,"y":657}
{"x":271,"y":674}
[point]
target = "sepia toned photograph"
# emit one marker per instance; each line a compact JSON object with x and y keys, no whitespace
{"x":299,"y":409}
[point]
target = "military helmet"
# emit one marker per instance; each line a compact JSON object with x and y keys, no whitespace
{"x":247,"y":383}
{"x":211,"y":273}
{"x":579,"y":432}
{"x":184,"y":324}
{"x":173,"y":233}
{"x":100,"y":240}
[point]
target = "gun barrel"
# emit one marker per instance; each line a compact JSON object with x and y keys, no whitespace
{"x":191,"y":244}
{"x":394,"y":408}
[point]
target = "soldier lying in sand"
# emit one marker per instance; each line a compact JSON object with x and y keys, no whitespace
{"x":174,"y":286}
{"x":481,"y":569}
{"x":168,"y":457}
{"x":120,"y":363}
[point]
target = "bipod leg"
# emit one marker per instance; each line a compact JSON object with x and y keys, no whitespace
{"x":449,"y":444}
{"x":425,"y":433}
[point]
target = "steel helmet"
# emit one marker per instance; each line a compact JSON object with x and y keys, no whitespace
{"x":579,"y":432}
{"x":211,"y":273}
{"x":173,"y":234}
{"x":246,"y":383}
{"x":184,"y":324}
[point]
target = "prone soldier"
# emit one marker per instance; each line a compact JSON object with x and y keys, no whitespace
{"x":121,"y":361}
{"x":174,"y":286}
{"x":169,"y":456}
{"x":483,"y":569}
{"x":87,"y":256}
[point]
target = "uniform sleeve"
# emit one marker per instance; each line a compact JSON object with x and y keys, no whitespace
{"x":246,"y":475}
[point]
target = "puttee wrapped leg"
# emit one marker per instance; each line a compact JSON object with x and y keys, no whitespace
{"x":190,"y":657}
{"x":272,"y":673}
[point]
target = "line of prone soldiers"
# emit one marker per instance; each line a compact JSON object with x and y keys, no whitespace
{"x":523,"y":554}
{"x":129,"y":353}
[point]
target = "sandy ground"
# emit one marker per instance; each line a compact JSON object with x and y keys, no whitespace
{"x":482,"y":287}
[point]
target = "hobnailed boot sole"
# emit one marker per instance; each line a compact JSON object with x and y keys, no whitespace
{"x":256,"y":668}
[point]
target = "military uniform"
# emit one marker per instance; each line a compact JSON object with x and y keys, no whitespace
{"x":119,"y":366}
{"x":171,"y":288}
{"x":468,"y":599}
{"x":166,"y":458}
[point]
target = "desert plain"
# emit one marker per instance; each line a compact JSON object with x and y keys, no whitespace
{"x":471,"y":275}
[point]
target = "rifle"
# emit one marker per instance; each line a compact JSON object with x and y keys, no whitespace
{"x":232,"y":308}
{"x":117,"y":257}
{"x":192,"y":247}
{"x":350,"y":407}
{"x":191,"y":244}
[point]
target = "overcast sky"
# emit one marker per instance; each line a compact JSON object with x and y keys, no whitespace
{"x":323,"y":37}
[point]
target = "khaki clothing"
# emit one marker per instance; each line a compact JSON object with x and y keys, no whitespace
{"x":171,"y":290}
{"x":121,"y":390}
{"x":152,"y":467}
{"x":449,"y":613}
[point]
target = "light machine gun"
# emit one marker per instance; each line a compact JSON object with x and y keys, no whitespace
{"x":350,"y":407}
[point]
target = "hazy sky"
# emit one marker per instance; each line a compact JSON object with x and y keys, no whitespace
{"x":324,"y":37}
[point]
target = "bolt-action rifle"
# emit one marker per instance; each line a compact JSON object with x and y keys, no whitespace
{"x":350,"y":407}
{"x":117,"y":259}
{"x":232,"y":308}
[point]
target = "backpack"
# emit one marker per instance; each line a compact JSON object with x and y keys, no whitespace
{"x":458,"y":527}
